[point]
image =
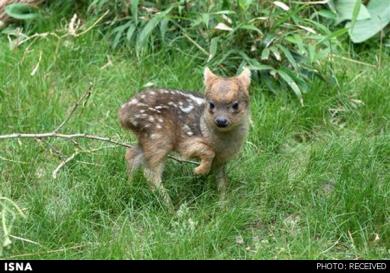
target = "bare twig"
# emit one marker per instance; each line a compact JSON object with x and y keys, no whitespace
{"x":14,"y":161}
{"x":311,"y":2}
{"x":64,"y":249}
{"x":352,"y":60}
{"x":63,"y":163}
{"x":35,"y":69}
{"x":84,"y":98}
{"x":191,"y":40}
{"x":53,"y":150}
{"x":70,"y":158}
{"x":93,"y":25}
{"x":24,"y":240}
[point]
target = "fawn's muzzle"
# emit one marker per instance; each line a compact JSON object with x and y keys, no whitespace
{"x":221,"y":122}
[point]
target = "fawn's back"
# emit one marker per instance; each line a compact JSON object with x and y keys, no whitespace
{"x":163,"y":113}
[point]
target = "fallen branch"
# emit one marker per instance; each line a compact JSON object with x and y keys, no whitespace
{"x":56,"y":134}
{"x":65,"y":136}
{"x":77,"y":136}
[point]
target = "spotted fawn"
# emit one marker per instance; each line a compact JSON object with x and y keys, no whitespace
{"x":210,"y":127}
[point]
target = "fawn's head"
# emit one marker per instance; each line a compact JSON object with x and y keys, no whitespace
{"x":227,"y":99}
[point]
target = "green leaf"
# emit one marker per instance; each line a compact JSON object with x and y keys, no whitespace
{"x":298,"y":41}
{"x":213,"y":48}
{"x":164,"y":28}
{"x":205,"y":19}
{"x":276,"y":53}
{"x":332,"y":35}
{"x":289,"y":56}
{"x":292,"y":84}
{"x":119,"y":33}
{"x":265,"y":54}
{"x":365,"y":29}
{"x":249,"y":27}
{"x":327,"y":14}
{"x":134,"y":10}
{"x":345,"y":9}
{"x":311,"y":49}
{"x":260,"y":67}
{"x":20,"y":11}
{"x":225,"y":56}
{"x":244,"y":4}
{"x":130,"y":32}
{"x":254,"y":64}
{"x":149,"y":27}
{"x":355,"y":12}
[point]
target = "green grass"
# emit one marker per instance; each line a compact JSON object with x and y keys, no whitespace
{"x":312,"y":182}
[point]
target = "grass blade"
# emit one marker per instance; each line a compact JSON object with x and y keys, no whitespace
{"x":292,"y":84}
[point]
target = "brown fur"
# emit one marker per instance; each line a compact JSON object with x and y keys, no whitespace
{"x":211,"y":128}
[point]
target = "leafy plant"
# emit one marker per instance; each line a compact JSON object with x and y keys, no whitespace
{"x":364,"y":21}
{"x":21,"y":11}
{"x":282,"y":44}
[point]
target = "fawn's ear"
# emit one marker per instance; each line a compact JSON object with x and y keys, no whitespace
{"x":245,"y":78}
{"x":208,"y":77}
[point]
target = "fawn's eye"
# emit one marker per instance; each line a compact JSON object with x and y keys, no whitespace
{"x":211,"y":105}
{"x":235,"y":106}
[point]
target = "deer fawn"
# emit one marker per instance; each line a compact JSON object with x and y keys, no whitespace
{"x":211,"y":128}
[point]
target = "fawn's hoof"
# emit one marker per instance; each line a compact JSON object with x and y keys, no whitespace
{"x":200,"y":170}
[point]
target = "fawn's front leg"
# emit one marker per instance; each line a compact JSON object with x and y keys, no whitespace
{"x":222,"y":180}
{"x":196,"y":147}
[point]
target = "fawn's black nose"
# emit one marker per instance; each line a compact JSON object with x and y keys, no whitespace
{"x":221,"y":122}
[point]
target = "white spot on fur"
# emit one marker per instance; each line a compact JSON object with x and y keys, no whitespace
{"x":198,"y":100}
{"x":160,"y":120}
{"x":187,"y":130}
{"x":171,"y":103}
{"x":154,"y":110}
{"x":137,"y":116}
{"x":187,"y":109}
{"x":133,"y":121}
{"x":151,"y":118}
{"x":158,"y":126}
{"x":133,"y":101}
{"x":155,"y":136}
{"x":152,"y":93}
{"x":142,"y":111}
{"x":143,"y":96}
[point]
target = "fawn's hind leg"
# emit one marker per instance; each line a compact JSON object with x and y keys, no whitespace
{"x":153,"y":176}
{"x":155,"y":154}
{"x":196,"y":147}
{"x":135,"y":158}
